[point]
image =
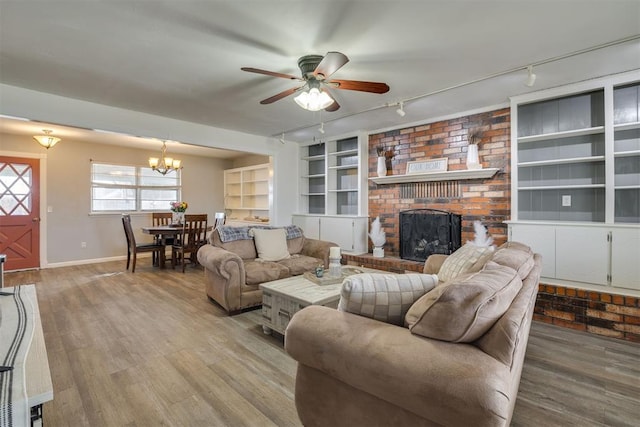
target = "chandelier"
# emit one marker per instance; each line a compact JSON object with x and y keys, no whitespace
{"x":46,"y":140}
{"x":164,"y":164}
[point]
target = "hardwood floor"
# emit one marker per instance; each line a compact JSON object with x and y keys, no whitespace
{"x":149,"y":349}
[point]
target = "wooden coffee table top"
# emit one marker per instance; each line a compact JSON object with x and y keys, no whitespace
{"x":306,"y":292}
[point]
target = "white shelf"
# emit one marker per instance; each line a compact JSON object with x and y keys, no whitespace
{"x":344,"y":153}
{"x":436,"y":176}
{"x":312,"y":194}
{"x":351,"y":190}
{"x":626,"y":126}
{"x":627,"y":153}
{"x":343,"y":167}
{"x":560,"y":187}
{"x":565,"y":134}
{"x":562,"y":161}
{"x":318,"y":175}
{"x":627,"y":187}
{"x":312,"y":158}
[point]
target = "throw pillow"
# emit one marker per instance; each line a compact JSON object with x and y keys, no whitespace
{"x":270,"y":244}
{"x":384,"y":297}
{"x":467,"y":307}
{"x":468,"y":259}
{"x":516,"y":257}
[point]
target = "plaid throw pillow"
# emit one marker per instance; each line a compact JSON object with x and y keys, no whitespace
{"x":384,"y":297}
{"x":468,"y":259}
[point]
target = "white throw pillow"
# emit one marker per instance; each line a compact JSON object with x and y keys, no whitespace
{"x":270,"y":244}
{"x":468,"y":259}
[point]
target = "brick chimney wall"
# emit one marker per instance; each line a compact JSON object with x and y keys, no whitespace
{"x":486,"y":200}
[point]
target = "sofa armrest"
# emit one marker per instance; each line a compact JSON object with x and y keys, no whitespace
{"x":447,"y":383}
{"x":433,"y":263}
{"x":224,"y":276}
{"x":317,"y":249}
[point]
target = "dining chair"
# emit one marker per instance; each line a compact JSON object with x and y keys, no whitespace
{"x":193,"y":236}
{"x":156,"y":248}
{"x":159,"y":219}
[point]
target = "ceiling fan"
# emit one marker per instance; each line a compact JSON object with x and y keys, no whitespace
{"x":316,"y":70}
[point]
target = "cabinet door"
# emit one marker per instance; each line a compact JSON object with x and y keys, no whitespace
{"x":582,"y":254}
{"x":310,"y":225}
{"x":625,"y":258}
{"x":339,"y":231}
{"x":542,"y":240}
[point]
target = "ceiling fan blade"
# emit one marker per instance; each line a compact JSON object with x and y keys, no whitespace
{"x":333,"y":107}
{"x":331,"y":63}
{"x":280,"y":95}
{"x":373,"y":87}
{"x":270,"y":73}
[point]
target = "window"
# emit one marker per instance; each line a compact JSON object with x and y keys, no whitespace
{"x":119,"y":188}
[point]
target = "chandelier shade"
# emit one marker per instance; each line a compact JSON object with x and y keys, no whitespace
{"x":164,"y":164}
{"x":314,"y":99}
{"x":46,"y":140}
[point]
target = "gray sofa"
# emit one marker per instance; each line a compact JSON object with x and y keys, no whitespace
{"x":355,"y":371}
{"x":233,"y":270}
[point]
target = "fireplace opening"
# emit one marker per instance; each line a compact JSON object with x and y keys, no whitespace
{"x":428,"y":231}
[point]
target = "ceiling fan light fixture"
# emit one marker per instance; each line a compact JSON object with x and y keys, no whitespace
{"x":46,"y":140}
{"x":314,"y":99}
{"x":531,"y":78}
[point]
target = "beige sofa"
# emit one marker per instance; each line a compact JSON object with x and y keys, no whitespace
{"x":356,"y":371}
{"x":234,"y":270}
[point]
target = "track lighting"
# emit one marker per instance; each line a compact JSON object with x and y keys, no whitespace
{"x":282,"y":141}
{"x":321,"y":128}
{"x":400,"y":111}
{"x":531,"y":78}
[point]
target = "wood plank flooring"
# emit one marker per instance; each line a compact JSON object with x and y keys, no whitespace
{"x":149,"y":349}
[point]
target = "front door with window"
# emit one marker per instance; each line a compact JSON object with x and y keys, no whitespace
{"x":20,"y":212}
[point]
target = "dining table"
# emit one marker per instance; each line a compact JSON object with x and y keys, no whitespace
{"x":165,"y":232}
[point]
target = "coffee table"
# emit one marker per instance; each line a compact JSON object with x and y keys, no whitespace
{"x":283,"y":298}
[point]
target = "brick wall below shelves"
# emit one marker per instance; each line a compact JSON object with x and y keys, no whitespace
{"x":599,"y":313}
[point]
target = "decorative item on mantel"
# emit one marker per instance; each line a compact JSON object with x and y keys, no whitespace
{"x":382,"y":161}
{"x":178,"y":209}
{"x":378,"y":238}
{"x":473,"y":160}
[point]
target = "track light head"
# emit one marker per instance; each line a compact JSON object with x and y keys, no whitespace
{"x":321,"y":128}
{"x":531,"y":78}
{"x":282,"y":141}
{"x":400,"y":111}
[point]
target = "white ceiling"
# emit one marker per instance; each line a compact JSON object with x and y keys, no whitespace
{"x":182,"y":59}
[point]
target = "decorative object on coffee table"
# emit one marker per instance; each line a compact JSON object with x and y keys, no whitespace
{"x":335,"y":268}
{"x":378,"y":238}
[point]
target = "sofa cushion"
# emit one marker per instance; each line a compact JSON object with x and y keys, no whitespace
{"x":517,"y":256}
{"x":468,"y":259}
{"x":245,"y":249}
{"x":270,"y":244}
{"x":465,"y":308}
{"x":384,"y":297}
{"x":257,"y":271}
{"x":298,"y":264}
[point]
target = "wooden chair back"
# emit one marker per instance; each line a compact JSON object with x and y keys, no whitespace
{"x":193,"y":236}
{"x":161,"y":218}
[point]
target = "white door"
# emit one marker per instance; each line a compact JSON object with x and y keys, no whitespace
{"x":625,"y":258}
{"x":582,"y":254}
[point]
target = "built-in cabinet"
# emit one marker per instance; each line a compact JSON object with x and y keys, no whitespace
{"x":248,"y":194}
{"x":332,"y":199}
{"x":576,"y":180}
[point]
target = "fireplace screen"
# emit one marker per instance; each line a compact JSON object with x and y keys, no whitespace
{"x":428,"y":231}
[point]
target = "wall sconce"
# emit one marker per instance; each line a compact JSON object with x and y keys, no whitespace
{"x":46,"y":140}
{"x":164,"y":164}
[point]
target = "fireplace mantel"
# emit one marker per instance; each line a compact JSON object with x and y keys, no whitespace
{"x":436,"y":176}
